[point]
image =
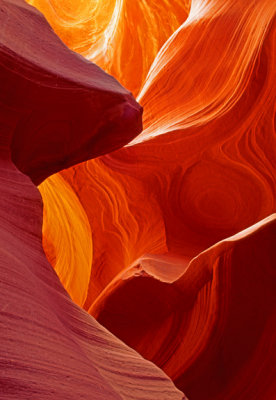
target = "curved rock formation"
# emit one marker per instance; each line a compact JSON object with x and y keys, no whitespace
{"x":49,"y":347}
{"x":139,"y":236}
{"x":213,"y":324}
{"x":204,"y":69}
{"x":202,"y":170}
{"x":188,"y":187}
{"x":115,"y":207}
{"x":109,"y":32}
{"x":70,"y":233}
{"x":72,"y":106}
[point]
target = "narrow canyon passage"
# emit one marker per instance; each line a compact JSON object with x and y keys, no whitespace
{"x":148,"y":128}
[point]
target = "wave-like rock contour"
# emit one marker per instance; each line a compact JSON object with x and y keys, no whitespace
{"x":202,"y":170}
{"x":49,"y":347}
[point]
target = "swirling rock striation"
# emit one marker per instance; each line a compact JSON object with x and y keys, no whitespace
{"x":198,"y":173}
{"x":163,"y":276}
{"x":121,"y":36}
{"x":214,"y":323}
{"x":49,"y":347}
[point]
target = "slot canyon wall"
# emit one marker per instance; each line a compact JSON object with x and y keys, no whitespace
{"x":138,"y":199}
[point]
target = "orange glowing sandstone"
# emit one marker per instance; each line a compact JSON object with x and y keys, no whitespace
{"x":71,"y":233}
{"x":203,"y":169}
{"x":50,"y":348}
{"x":121,"y":36}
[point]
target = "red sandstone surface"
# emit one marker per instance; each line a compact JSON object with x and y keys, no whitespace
{"x":49,"y":347}
{"x":164,"y":232}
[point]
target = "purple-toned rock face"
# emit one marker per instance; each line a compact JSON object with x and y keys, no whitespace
{"x":49,"y":347}
{"x":66,"y":109}
{"x":161,"y":236}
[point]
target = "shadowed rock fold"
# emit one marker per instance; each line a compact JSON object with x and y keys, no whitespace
{"x":202,"y":170}
{"x":49,"y":347}
{"x":68,"y":110}
{"x":169,"y":242}
{"x":213,"y":324}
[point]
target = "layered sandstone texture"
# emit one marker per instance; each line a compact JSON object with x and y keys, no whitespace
{"x":160,"y":225}
{"x":49,"y":347}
